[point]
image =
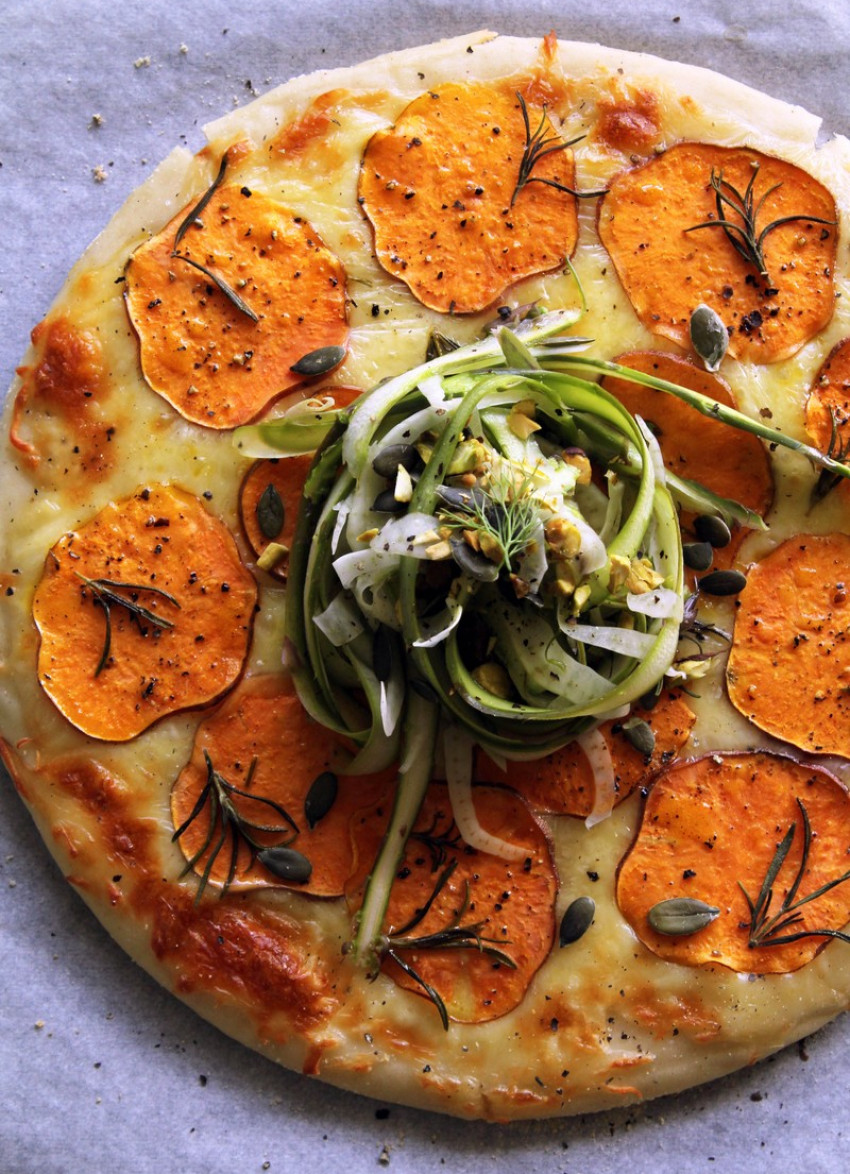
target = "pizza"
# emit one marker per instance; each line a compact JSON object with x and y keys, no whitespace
{"x":425,"y":573}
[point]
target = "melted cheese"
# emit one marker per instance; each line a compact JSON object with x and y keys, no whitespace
{"x":604,"y":1020}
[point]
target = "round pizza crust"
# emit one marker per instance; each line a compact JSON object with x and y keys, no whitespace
{"x":604,"y":1021}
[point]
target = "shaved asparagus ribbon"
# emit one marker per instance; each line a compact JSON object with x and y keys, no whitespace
{"x":353,"y":574}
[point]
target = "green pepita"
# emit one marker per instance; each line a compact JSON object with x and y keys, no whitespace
{"x":709,"y":336}
{"x":640,"y":735}
{"x":319,"y":362}
{"x":287,"y":864}
{"x":270,"y":512}
{"x":681,"y":916}
{"x":577,"y":920}
{"x":321,"y":797}
{"x":712,"y":529}
{"x":723,"y":583}
{"x":698,"y":555}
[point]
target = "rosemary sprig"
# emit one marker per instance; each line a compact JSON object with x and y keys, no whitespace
{"x":221,"y":284}
{"x":227,"y":822}
{"x":767,"y":930}
{"x":188,"y":220}
{"x":453,"y":936}
{"x":439,"y":843}
{"x":195,"y":213}
{"x":106,"y":595}
{"x":838,"y":450}
{"x":746,"y":237}
{"x":537,"y":146}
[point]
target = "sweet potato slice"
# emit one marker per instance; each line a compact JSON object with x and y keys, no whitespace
{"x":828,"y":403}
{"x":563,"y":784}
{"x":217,"y":364}
{"x":729,"y":462}
{"x":789,"y":666}
{"x":262,"y":742}
{"x":271,"y":492}
{"x":668,"y":271}
{"x":714,"y":824}
{"x":439,"y":188}
{"x":143,"y":611}
{"x":513,"y":902}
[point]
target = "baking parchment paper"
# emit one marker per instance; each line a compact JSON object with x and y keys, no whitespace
{"x":100,"y":1069}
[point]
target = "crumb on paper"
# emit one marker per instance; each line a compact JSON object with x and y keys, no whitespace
{"x":384,"y":1156}
{"x":39,"y":1024}
{"x":99,"y":173}
{"x":184,"y":48}
{"x":96,"y":120}
{"x":141,"y":62}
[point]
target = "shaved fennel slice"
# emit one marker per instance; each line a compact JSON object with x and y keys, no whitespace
{"x":537,"y":662}
{"x":622,"y":640}
{"x":598,"y":754}
{"x":391,"y":703}
{"x":532,"y":564}
{"x":458,"y":747}
{"x":662,"y":603}
{"x":654,"y":451}
{"x":340,"y":622}
{"x":433,"y":390}
{"x":409,"y":430}
{"x":342,"y":512}
{"x":435,"y":631}
{"x":366,"y":573}
{"x":407,"y":535}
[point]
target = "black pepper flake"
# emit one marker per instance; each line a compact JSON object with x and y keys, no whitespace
{"x":246,"y":192}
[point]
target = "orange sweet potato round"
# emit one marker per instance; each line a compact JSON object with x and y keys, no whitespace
{"x":562,"y":783}
{"x":789,"y":667}
{"x":513,"y":902}
{"x":212,"y":361}
{"x":271,"y":490}
{"x":727,"y":461}
{"x":144,"y":610}
{"x":263,"y":723}
{"x":667,"y":270}
{"x":439,"y":190}
{"x":712,"y":825}
{"x":828,"y":402}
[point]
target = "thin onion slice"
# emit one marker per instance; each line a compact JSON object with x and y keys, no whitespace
{"x":622,"y":640}
{"x":662,"y":603}
{"x":458,"y":747}
{"x":598,"y":754}
{"x":340,"y":622}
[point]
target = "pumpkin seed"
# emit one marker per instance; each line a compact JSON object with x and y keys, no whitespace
{"x":387,"y":503}
{"x":462,"y":499}
{"x":709,"y":336}
{"x":712,"y":529}
{"x":383,"y":652}
{"x":723,"y":583}
{"x":270,"y":512}
{"x":472,"y":562}
{"x":321,"y":797}
{"x":576,"y":920}
{"x":319,"y":362}
{"x":680,"y":916}
{"x":387,"y":461}
{"x":698,"y":555}
{"x":287,"y":864}
{"x":640,"y":735}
